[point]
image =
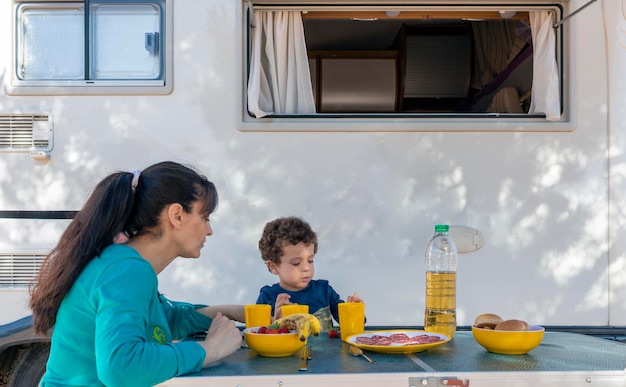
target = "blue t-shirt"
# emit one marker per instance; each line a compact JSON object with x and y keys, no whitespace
{"x":113,"y":327}
{"x":318,"y":295}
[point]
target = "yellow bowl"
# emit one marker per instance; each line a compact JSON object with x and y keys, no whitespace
{"x":273,"y":345}
{"x":509,"y":342}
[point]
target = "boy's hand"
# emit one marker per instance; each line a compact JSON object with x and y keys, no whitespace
{"x":281,"y":299}
{"x":354,"y":298}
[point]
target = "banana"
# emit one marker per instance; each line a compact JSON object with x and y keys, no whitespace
{"x":316,"y":327}
{"x":304,"y":324}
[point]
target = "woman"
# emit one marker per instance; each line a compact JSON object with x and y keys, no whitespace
{"x":100,"y":300}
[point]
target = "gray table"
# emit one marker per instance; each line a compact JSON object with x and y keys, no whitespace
{"x":570,"y":358}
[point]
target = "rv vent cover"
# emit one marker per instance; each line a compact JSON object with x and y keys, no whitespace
{"x":19,"y":270}
{"x":24,"y":132}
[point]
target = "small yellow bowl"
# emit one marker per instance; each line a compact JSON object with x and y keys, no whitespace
{"x":273,"y":345}
{"x":509,"y":342}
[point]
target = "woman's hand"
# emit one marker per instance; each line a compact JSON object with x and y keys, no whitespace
{"x":281,"y":299}
{"x":222,"y":339}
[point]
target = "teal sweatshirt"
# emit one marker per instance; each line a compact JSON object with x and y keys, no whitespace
{"x":114,"y":328}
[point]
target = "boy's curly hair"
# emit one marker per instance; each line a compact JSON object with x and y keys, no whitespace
{"x":282,"y":232}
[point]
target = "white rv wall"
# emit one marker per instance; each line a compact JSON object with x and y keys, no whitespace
{"x":615,"y":29}
{"x":541,"y":199}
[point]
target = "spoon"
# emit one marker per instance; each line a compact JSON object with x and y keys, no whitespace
{"x":356,"y":351}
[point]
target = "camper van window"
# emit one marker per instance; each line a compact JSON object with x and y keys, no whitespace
{"x":95,"y":47}
{"x":422,"y":63}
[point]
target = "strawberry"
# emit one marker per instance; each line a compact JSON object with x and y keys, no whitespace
{"x":283,"y":330}
{"x":262,"y":330}
{"x":333,"y":333}
{"x":273,"y":329}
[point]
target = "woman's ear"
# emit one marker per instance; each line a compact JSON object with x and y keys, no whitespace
{"x":175,"y":214}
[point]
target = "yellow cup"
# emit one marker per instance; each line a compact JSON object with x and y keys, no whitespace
{"x":257,"y":315}
{"x":351,"y":319}
{"x":294,"y":308}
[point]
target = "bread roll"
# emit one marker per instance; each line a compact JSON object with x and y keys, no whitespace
{"x":487,"y":320}
{"x":512,"y":325}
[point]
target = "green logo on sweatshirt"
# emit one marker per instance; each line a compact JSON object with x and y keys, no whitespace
{"x":158,"y":335}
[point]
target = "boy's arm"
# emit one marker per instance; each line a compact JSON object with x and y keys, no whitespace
{"x":333,"y":300}
{"x":233,"y":312}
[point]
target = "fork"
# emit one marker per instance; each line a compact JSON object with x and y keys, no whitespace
{"x":306,"y":355}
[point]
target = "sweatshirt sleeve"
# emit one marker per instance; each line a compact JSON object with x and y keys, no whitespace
{"x":130,"y":349}
{"x":183,"y":319}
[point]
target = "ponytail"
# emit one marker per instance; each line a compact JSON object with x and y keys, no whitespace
{"x":95,"y":227}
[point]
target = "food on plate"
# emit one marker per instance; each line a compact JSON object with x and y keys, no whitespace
{"x":397,"y":341}
{"x":397,"y":338}
{"x":304,"y":324}
{"x":487,"y":320}
{"x":512,"y":325}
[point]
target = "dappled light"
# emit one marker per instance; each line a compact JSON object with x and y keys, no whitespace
{"x":554,"y":250}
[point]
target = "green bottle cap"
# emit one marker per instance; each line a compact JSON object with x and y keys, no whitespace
{"x":441,"y":228}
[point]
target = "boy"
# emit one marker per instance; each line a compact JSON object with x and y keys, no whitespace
{"x":288,"y":247}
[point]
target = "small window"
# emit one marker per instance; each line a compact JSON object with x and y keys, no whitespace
{"x":96,"y":47}
{"x":418,"y":67}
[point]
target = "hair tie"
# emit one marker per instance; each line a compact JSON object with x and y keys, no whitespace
{"x":135,"y":181}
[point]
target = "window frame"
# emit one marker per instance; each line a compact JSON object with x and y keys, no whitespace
{"x":412,"y":122}
{"x":15,"y":86}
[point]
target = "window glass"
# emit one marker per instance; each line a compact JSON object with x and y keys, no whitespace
{"x":51,"y":44}
{"x":125,"y":41}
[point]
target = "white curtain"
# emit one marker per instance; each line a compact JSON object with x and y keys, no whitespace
{"x":545,"y":92}
{"x":279,"y":82}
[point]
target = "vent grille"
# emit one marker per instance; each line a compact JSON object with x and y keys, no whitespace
{"x":19,"y":270}
{"x":25,"y":132}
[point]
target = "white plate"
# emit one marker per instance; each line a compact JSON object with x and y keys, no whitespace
{"x":397,"y":347}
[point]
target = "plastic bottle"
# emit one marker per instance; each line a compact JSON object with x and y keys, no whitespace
{"x":441,"y":265}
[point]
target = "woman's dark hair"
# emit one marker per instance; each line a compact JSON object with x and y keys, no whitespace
{"x":282,"y":232}
{"x":113,"y":207}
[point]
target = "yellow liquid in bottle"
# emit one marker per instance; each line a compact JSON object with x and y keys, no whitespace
{"x":440,"y":314}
